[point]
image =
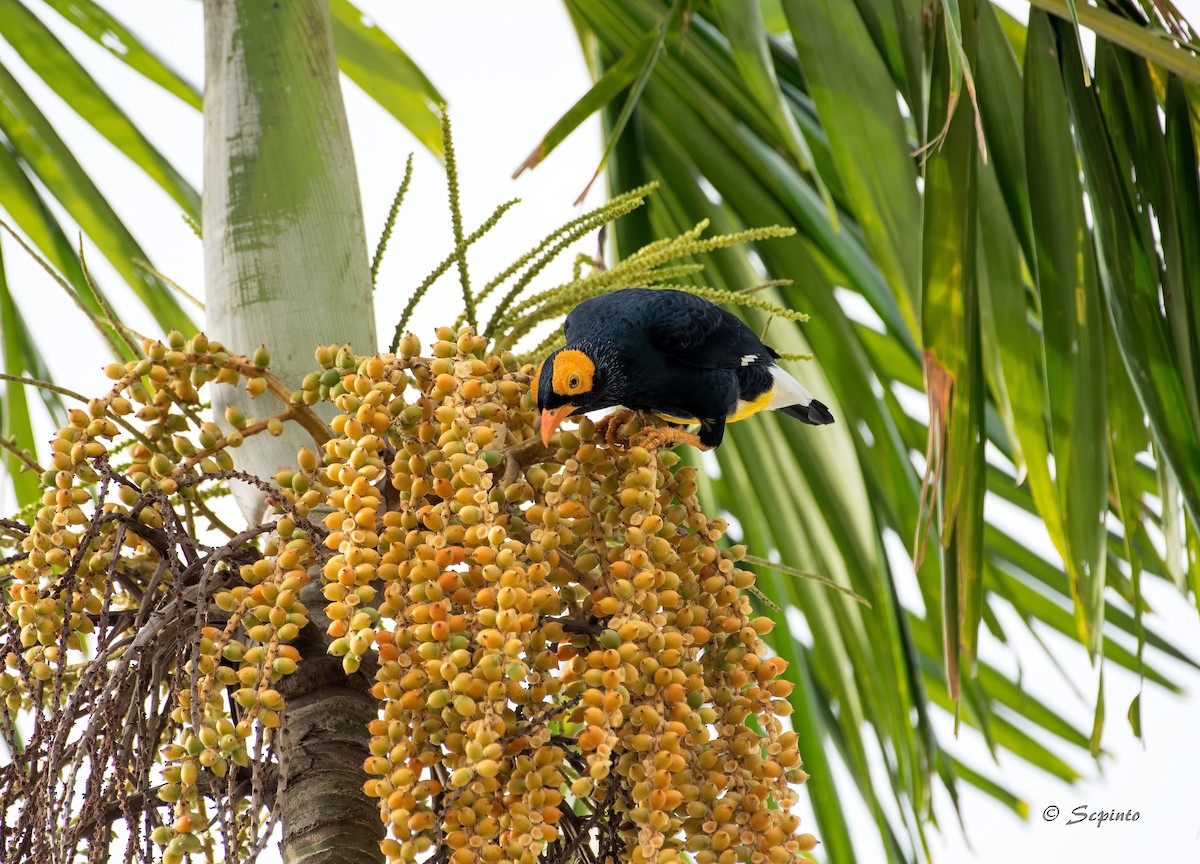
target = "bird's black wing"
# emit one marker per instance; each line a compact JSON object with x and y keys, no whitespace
{"x":702,"y":335}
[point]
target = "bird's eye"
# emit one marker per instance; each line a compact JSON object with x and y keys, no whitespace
{"x":573,"y":382}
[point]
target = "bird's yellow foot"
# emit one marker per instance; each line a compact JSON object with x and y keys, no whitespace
{"x":653,"y":439}
{"x":609,"y":425}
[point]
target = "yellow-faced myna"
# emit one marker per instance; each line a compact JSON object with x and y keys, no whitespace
{"x":669,"y":353}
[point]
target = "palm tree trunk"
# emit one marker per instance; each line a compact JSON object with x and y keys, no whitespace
{"x":325,"y":815}
{"x":285,"y":253}
{"x":286,"y":266}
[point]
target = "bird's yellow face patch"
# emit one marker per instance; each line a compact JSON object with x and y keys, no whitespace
{"x":573,"y":373}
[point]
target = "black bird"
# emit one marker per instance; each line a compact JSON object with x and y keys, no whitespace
{"x":669,"y":353}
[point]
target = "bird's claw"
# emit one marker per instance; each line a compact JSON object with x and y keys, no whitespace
{"x":654,"y":438}
{"x":609,"y":426}
{"x":650,"y":437}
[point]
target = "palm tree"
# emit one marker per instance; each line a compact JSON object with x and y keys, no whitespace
{"x":982,"y":216}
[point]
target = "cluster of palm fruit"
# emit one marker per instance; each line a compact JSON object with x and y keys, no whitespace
{"x":563,"y":646}
{"x":67,"y":565}
{"x":59,"y":580}
{"x":566,"y":635}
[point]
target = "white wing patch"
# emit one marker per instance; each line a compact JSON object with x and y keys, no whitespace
{"x":788,"y":391}
{"x":747,"y":359}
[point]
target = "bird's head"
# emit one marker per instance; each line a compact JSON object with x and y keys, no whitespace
{"x":566,"y":383}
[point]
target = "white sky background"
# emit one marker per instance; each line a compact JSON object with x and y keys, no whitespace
{"x":509,"y":70}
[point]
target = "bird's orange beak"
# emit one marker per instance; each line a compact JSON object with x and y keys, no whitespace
{"x":551,"y":420}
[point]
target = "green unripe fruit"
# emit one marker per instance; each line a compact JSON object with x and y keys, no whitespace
{"x":410,"y":346}
{"x":160,"y":465}
{"x":461,"y":778}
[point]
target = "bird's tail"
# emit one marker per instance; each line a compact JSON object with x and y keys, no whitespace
{"x":794,"y":400}
{"x":814,"y":413}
